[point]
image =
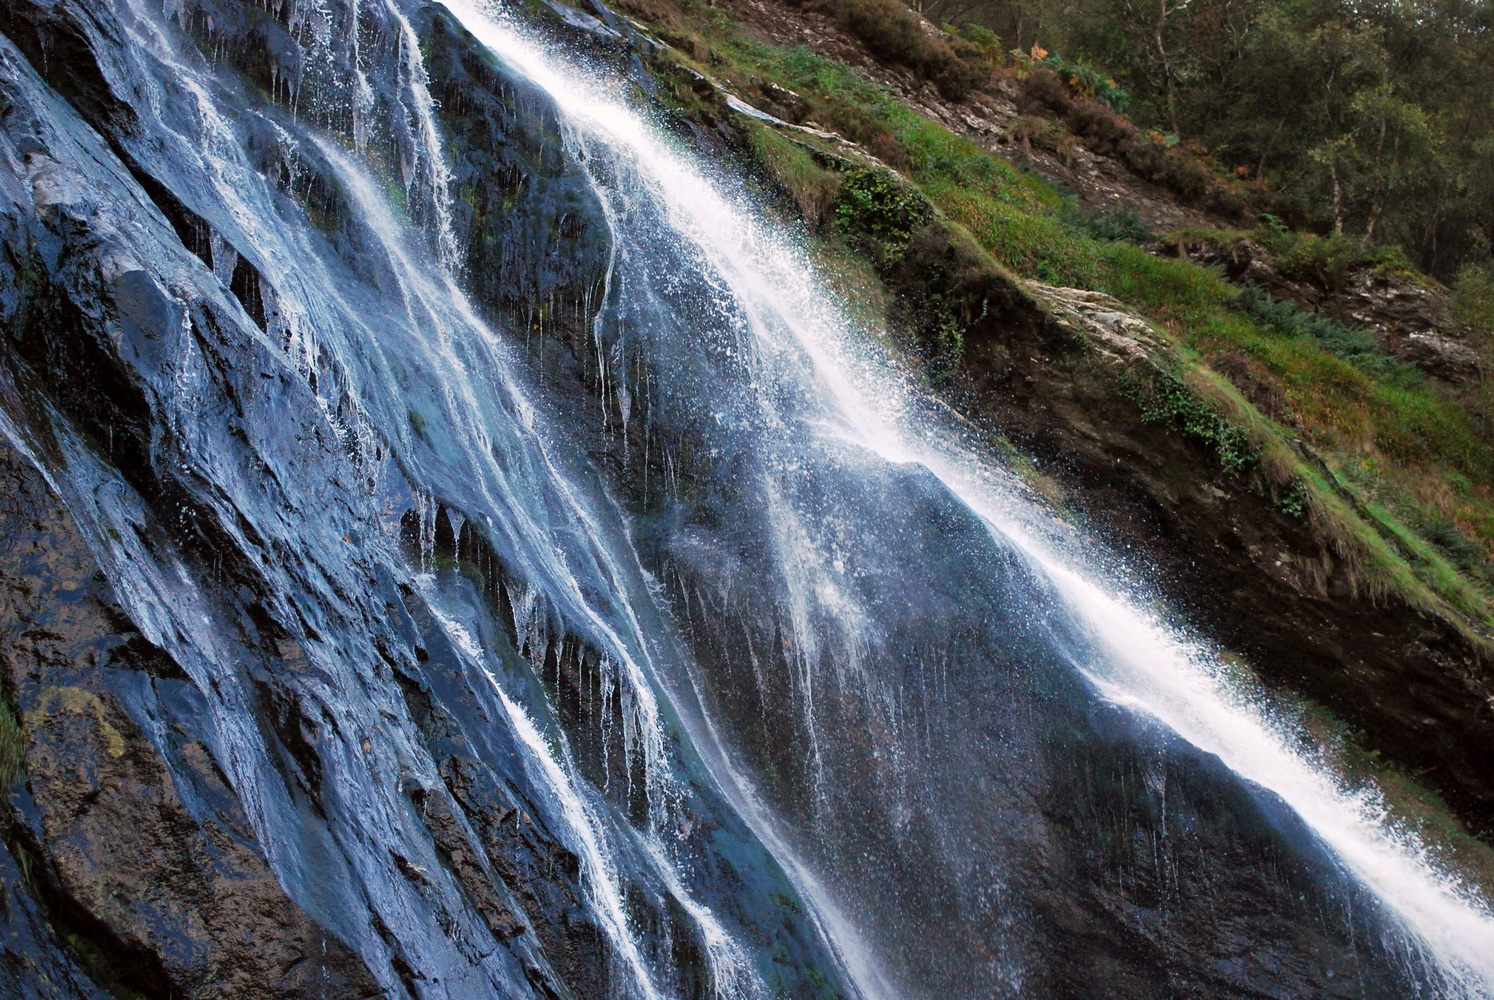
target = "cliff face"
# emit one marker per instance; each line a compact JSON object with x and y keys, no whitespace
{"x":438,"y":560}
{"x":223,"y":782}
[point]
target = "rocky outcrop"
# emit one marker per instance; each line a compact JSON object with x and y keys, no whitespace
{"x":1440,"y":357}
{"x":1150,"y":475}
{"x":1091,"y":390}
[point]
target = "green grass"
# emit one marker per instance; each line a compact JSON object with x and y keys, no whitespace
{"x":1026,"y":242}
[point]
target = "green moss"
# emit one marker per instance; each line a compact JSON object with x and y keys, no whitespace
{"x":12,"y":747}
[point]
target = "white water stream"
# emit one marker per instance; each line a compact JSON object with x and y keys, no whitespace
{"x":1146,"y":666}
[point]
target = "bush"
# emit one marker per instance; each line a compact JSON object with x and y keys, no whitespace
{"x":1473,"y":298}
{"x":1119,"y":225}
{"x":1088,"y":82}
{"x":1043,"y":90}
{"x":878,"y":214}
{"x":954,"y":76}
{"x":894,"y":34}
{"x":1327,"y":261}
{"x":889,"y":29}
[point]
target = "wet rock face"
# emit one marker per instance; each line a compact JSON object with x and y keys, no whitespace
{"x":157,"y":865}
{"x":301,"y":784}
{"x":320,"y":659}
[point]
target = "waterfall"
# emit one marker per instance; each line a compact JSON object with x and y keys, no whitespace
{"x":1132,"y":659}
{"x":636,"y":627}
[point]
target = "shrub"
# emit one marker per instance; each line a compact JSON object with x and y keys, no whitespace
{"x":878,"y":214}
{"x":1327,"y":261}
{"x":1042,"y":89}
{"x":1103,"y":126}
{"x":1473,"y":298}
{"x":1086,"y":81}
{"x":1119,"y":225}
{"x":889,"y":29}
{"x":954,"y":66}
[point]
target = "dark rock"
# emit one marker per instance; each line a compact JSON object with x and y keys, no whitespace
{"x":173,"y":892}
{"x":1395,"y":305}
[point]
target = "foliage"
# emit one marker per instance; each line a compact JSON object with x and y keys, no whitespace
{"x":982,"y":43}
{"x":877,"y":213}
{"x":1374,"y":120}
{"x":893,"y":33}
{"x":1086,"y":81}
{"x":1119,"y":225}
{"x":888,"y":28}
{"x":1356,"y":345}
{"x":1165,"y":397}
{"x":1325,"y":260}
{"x":1473,"y":300}
{"x":1293,"y":501}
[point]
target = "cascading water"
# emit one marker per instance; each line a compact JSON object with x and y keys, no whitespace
{"x":776,"y":308}
{"x":573,"y":601}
